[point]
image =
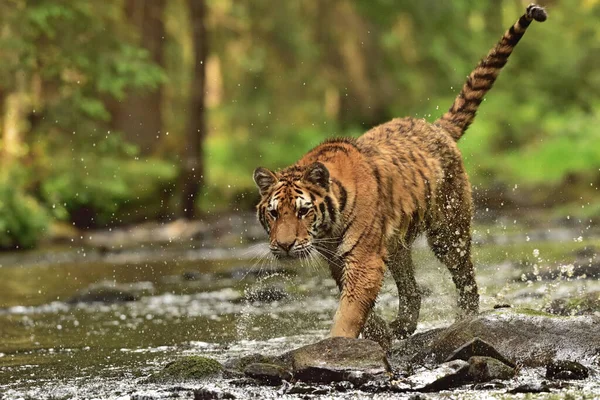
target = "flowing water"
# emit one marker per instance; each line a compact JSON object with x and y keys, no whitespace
{"x":190,"y":300}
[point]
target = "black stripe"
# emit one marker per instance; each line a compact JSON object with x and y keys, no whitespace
{"x":363,"y":233}
{"x":262,"y":219}
{"x":322,"y":208}
{"x":513,"y":39}
{"x":495,"y":63}
{"x":328,"y":148}
{"x":524,"y":22}
{"x":330,"y":209}
{"x":343,"y":194}
{"x":347,"y":227}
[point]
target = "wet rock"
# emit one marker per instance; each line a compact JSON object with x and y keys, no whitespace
{"x":564,"y":369}
{"x":403,"y":352}
{"x":531,"y":388}
{"x":207,"y":394}
{"x":240,"y":364}
{"x":187,"y":369}
{"x":478,"y":347}
{"x":444,"y":376}
{"x":338,"y":359}
{"x":492,"y":385}
{"x":343,"y":386}
{"x":385,"y":386}
{"x":529,"y":338}
{"x":303,"y":388}
{"x":585,"y":304}
{"x":484,"y":369}
{"x":269,"y":374}
{"x":109,"y":292}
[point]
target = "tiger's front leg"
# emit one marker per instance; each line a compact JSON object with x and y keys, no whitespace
{"x":360,"y":285}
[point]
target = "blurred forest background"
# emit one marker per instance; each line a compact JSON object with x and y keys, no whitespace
{"x":121,"y":111}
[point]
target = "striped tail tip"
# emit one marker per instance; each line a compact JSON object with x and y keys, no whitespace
{"x":536,"y":12}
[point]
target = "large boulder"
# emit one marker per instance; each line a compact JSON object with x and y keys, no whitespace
{"x":338,"y":359}
{"x":526,"y":337}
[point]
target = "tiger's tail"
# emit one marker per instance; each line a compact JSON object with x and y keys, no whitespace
{"x":462,"y":113}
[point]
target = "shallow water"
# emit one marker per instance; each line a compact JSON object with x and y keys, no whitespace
{"x":192,"y":302}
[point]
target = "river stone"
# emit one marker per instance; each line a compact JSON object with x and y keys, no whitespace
{"x":303,"y":388}
{"x":529,"y":338}
{"x":207,"y":394}
{"x":478,"y":347}
{"x":269,"y":374}
{"x":485,"y":369}
{"x":564,"y":369}
{"x":585,"y":304}
{"x":239,"y":364}
{"x":103,"y":294}
{"x":187,"y":369}
{"x":444,"y":376}
{"x":531,"y":388}
{"x":338,"y":359}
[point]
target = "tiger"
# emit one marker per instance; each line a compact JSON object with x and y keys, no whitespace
{"x":361,"y":203}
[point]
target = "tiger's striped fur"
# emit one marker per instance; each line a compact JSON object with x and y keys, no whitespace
{"x":361,"y":203}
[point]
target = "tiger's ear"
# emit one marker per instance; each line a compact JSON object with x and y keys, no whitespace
{"x":264,"y":179}
{"x":318,"y":174}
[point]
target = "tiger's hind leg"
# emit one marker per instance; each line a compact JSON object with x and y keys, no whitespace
{"x":450,"y":241}
{"x":409,"y":297}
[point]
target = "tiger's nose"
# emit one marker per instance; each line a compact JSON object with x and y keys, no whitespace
{"x":286,"y":246}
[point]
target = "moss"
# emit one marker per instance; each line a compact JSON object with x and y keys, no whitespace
{"x":186,"y":369}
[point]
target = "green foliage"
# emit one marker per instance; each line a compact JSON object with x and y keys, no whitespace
{"x":23,"y":221}
{"x":537,"y":127}
{"x":95,"y":187}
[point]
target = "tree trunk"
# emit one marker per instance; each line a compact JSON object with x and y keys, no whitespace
{"x":13,"y":125}
{"x":139,"y":116}
{"x":193,"y":164}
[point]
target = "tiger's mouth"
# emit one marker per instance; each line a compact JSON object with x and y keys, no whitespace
{"x":294,"y":253}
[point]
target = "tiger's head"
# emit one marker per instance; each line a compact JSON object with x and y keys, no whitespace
{"x":296,"y":208}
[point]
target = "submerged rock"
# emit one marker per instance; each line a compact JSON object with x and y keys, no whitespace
{"x":303,"y":388}
{"x":564,"y":369}
{"x":110,"y":292}
{"x":531,"y":388}
{"x":207,"y":394}
{"x":444,"y":376}
{"x":269,"y":374}
{"x":187,"y":369}
{"x":485,"y":369}
{"x":529,"y":338}
{"x":585,"y":304}
{"x":338,"y":359}
{"x":478,"y":347}
{"x":240,"y":364}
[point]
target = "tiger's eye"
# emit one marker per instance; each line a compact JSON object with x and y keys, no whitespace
{"x":273,"y":213}
{"x":303,"y":211}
